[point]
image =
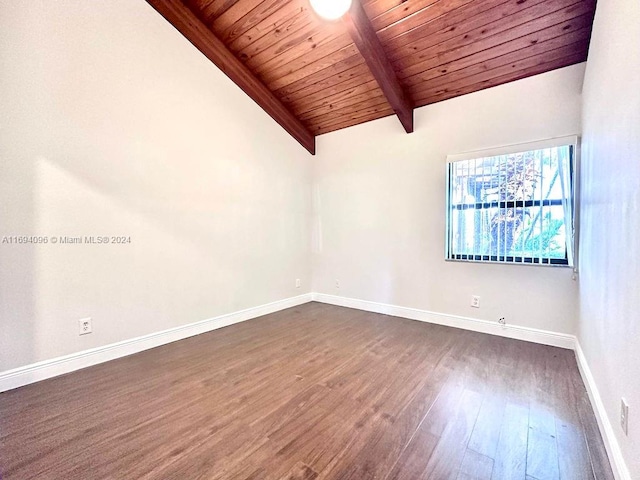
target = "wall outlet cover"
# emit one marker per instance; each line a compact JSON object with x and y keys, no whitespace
{"x":624,"y":416}
{"x":84,"y":326}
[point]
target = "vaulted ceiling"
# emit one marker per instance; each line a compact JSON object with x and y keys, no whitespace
{"x":384,"y":57}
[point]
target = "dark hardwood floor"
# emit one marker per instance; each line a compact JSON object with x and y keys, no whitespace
{"x":312,"y":392}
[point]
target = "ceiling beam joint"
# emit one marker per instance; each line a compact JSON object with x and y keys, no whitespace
{"x":366,"y":40}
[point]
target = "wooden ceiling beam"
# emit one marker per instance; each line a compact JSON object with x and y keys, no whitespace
{"x":368,"y":43}
{"x":186,"y":22}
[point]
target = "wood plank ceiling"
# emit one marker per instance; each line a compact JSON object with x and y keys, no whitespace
{"x":319,"y":79}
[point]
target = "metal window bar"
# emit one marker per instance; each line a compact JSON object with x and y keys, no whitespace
{"x":539,"y":161}
{"x":475,"y":216}
{"x":508,"y":204}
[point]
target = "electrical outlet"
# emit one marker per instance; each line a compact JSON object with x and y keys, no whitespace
{"x":475,"y":301}
{"x":298,"y":283}
{"x":624,"y":416}
{"x":502,"y":321}
{"x":84,"y":326}
{"x":337,"y":283}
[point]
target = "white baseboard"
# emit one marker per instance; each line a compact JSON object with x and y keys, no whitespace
{"x":35,"y":372}
{"x":620,"y":470}
{"x":562,"y":340}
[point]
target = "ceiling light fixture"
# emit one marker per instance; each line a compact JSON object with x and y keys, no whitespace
{"x":330,"y":9}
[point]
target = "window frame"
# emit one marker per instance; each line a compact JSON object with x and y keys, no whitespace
{"x":571,"y":141}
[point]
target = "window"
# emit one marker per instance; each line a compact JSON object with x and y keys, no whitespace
{"x":513,"y":205}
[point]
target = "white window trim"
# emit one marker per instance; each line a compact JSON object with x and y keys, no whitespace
{"x":516,"y":148}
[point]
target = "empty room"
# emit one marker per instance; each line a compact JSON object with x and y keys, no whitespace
{"x":320,"y":239}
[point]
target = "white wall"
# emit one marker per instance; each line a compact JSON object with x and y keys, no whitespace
{"x":379,"y":206}
{"x":609,"y":328}
{"x":113,"y":124}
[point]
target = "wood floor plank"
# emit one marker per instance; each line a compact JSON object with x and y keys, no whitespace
{"x":486,"y":432}
{"x":446,"y":459}
{"x":301,"y":472}
{"x":542,"y":450}
{"x":312,"y":392}
{"x":511,"y":457}
{"x":475,"y":466}
{"x":573,"y":456}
